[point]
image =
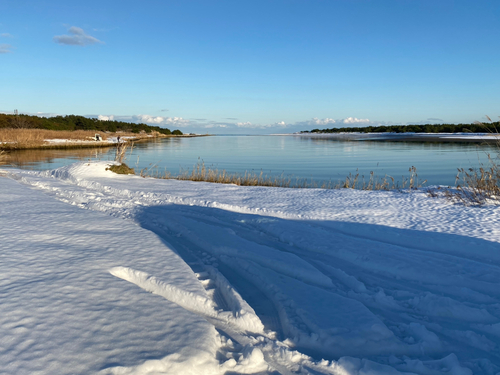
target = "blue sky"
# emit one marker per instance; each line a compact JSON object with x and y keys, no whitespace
{"x":253,"y":66}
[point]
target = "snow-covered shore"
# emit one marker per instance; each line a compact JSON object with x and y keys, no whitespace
{"x":125,"y":275}
{"x":419,"y":137}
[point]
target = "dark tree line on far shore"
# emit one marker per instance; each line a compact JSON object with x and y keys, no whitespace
{"x":492,"y":127}
{"x":73,"y":122}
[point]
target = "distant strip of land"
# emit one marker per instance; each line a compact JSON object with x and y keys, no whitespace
{"x":476,"y":132}
{"x":408,"y":137}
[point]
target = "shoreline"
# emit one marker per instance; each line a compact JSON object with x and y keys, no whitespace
{"x":407,"y":137}
{"x":65,"y":144}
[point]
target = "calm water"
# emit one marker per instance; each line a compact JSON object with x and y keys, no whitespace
{"x":293,"y":157}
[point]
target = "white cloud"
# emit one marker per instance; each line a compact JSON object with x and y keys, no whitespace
{"x":106,"y":118}
{"x":251,"y":125}
{"x":78,"y":37}
{"x":46,"y":114}
{"x":160,"y":120}
{"x":147,"y":119}
{"x":6,"y":35}
{"x":5,"y":48}
{"x":354,"y":120}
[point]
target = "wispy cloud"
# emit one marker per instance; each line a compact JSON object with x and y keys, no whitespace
{"x":6,"y":35}
{"x":250,"y":125}
{"x":246,"y":124}
{"x":78,"y":37}
{"x":317,"y":122}
{"x":5,"y":48}
{"x":214,"y":126}
{"x":163,"y":110}
{"x":39,"y":114}
{"x":430,"y":120}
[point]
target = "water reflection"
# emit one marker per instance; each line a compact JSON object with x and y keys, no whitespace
{"x":48,"y":159}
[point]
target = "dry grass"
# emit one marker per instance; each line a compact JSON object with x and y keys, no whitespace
{"x":121,"y":150}
{"x":387,"y":182}
{"x":27,"y":138}
{"x":201,"y":173}
{"x":477,"y":186}
{"x":353,"y":181}
{"x":17,"y":139}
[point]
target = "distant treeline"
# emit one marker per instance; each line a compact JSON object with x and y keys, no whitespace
{"x":491,"y":127}
{"x":73,"y":122}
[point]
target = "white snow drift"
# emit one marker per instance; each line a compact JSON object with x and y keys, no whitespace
{"x":125,"y":275}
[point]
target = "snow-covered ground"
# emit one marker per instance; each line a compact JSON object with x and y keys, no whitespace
{"x":110,"y":140}
{"x":112,"y":274}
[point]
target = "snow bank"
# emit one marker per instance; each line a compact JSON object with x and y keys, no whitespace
{"x":274,"y":280}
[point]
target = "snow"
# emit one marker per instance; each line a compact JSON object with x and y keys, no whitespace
{"x":109,"y":140}
{"x":114,"y":274}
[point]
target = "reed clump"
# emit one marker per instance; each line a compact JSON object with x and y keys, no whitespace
{"x":353,"y":181}
{"x":477,"y":186}
{"x":120,"y":154}
{"x":121,"y":150}
{"x":357,"y":181}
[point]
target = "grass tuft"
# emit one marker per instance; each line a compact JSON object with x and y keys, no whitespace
{"x":121,"y":169}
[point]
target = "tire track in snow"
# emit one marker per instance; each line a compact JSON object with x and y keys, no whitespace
{"x":275,"y":354}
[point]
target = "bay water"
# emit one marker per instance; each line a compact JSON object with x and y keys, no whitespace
{"x":317,"y":160}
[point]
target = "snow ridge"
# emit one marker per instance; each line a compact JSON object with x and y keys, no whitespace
{"x":243,"y":319}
